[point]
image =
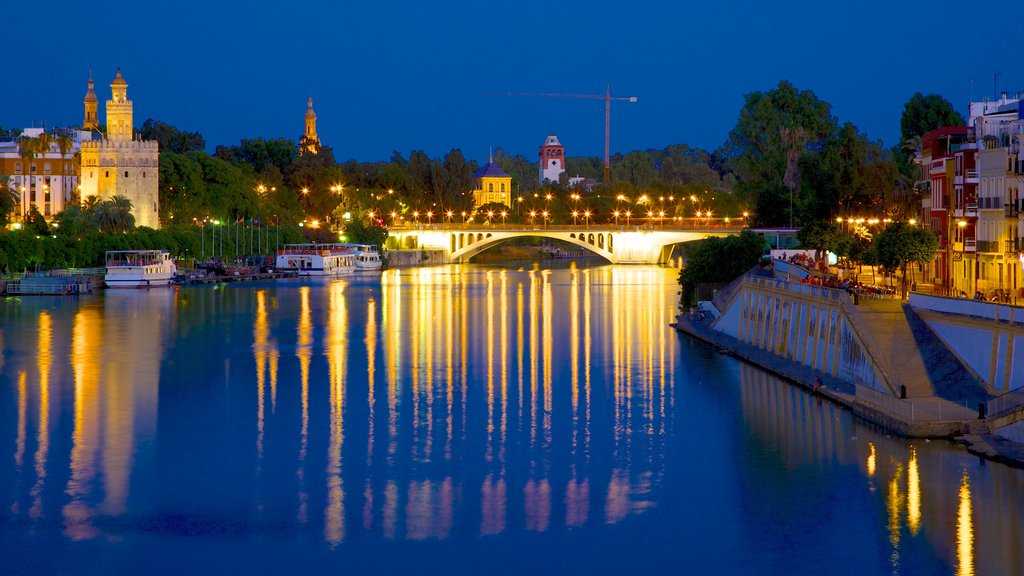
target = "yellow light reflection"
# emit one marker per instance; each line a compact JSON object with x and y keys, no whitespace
{"x":871,"y":459}
{"x":913,"y":493}
{"x":85,"y":364}
{"x":964,"y":530}
{"x":19,"y":442}
{"x":43,"y":361}
{"x":893,"y":504}
{"x":304,"y":352}
{"x":335,"y":349}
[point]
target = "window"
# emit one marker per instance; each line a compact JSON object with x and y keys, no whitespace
{"x":143,"y":173}
{"x":502,"y":186}
{"x":17,"y":167}
{"x":106,"y":173}
{"x":46,"y":168}
{"x":125,"y":173}
{"x":490,"y":187}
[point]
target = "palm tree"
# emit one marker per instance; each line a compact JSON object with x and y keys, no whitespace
{"x":114,"y":215}
{"x":9,"y":199}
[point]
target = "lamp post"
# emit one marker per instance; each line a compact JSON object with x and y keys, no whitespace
{"x":616,"y":215}
{"x":586,"y":218}
{"x":961,"y":225}
{"x":504,"y":213}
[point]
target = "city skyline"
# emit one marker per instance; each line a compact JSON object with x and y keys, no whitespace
{"x":413,"y":77}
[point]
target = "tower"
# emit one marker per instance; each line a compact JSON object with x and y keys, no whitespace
{"x":310,"y":142}
{"x":119,"y":110}
{"x":90,"y":121}
{"x":552,"y":159}
{"x":120,"y":165}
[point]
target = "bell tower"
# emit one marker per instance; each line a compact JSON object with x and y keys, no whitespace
{"x":552,"y":159}
{"x":310,"y":142}
{"x":119,"y":111}
{"x":90,"y":121}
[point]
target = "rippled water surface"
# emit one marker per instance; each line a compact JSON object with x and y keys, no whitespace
{"x":452,"y":420}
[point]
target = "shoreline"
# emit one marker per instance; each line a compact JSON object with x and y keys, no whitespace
{"x":973,"y":434}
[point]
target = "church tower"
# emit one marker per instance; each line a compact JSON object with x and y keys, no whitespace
{"x":552,"y":159}
{"x":310,"y":142}
{"x":90,"y":121}
{"x":119,"y":110}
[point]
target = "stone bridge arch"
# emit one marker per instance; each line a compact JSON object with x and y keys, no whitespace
{"x":489,"y":240}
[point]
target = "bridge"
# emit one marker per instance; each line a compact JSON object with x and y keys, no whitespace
{"x":646,"y":244}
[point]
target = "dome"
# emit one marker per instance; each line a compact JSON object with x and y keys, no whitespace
{"x":309,"y":110}
{"x":90,"y":95}
{"x":118,"y":80}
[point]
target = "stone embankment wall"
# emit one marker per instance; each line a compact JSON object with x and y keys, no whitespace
{"x":987,"y":337}
{"x":409,"y":258}
{"x":814,"y":326}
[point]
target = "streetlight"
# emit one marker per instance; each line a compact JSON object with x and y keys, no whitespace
{"x":533,"y":214}
{"x":545,"y":215}
{"x":430,"y":216}
{"x":490,"y":214}
{"x":448,"y":215}
{"x":616,"y":215}
{"x":504,"y":213}
{"x":628,"y":216}
{"x":586,"y":218}
{"x":574,"y":215}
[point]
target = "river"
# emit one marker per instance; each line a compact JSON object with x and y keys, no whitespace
{"x":452,"y":420}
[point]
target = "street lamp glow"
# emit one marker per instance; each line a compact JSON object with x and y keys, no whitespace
{"x":913,"y":222}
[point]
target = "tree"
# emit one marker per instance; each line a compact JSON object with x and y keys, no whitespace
{"x":900,"y":243}
{"x":923,"y":114}
{"x":773,"y":131}
{"x":821,"y":236}
{"x":170,"y":138}
{"x":9,"y":200}
{"x":35,"y":222}
{"x":359,"y":233}
{"x":114,"y":215}
{"x":718,"y":260}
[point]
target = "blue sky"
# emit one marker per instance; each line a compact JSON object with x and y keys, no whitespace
{"x":407,"y":75}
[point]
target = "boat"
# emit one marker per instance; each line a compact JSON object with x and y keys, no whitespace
{"x":139,"y":268}
{"x":367,"y":257}
{"x":317,"y":259}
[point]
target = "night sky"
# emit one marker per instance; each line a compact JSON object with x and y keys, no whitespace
{"x":421,"y":75}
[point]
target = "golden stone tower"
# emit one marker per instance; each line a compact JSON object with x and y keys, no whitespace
{"x":120,"y":165}
{"x":310,"y":142}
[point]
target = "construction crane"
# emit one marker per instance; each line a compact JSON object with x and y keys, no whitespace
{"x":607,"y":97}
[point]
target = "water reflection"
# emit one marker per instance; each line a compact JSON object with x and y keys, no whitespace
{"x":496,"y":403}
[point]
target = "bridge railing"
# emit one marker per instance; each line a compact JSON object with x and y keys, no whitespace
{"x":517,"y":227}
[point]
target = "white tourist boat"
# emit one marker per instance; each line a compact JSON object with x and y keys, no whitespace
{"x":317,"y":259}
{"x":367,"y":257}
{"x":139,"y":268}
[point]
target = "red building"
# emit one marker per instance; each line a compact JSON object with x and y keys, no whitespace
{"x":949,"y":165}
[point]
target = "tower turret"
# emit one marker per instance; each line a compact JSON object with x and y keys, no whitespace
{"x":310,"y":141}
{"x":90,"y":120}
{"x":119,"y":110}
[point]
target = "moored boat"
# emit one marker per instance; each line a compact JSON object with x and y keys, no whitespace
{"x":316,"y":259}
{"x":139,"y":268}
{"x":367,"y":257}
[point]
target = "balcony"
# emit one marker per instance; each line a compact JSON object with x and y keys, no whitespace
{"x":970,"y":245}
{"x":1011,"y":210}
{"x":1013,"y":246}
{"x":972,"y":210}
{"x":972,"y":176}
{"x":988,"y":246}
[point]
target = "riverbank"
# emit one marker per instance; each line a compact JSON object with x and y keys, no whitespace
{"x":971,"y":432}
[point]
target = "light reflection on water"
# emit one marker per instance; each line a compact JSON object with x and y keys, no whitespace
{"x":457,"y":403}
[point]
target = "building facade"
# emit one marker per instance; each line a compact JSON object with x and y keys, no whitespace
{"x":119,"y":164}
{"x":47,"y":179}
{"x":492,"y":185}
{"x":552,"y":159}
{"x":973,"y":202}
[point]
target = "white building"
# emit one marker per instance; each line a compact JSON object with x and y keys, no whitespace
{"x":47,"y":180}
